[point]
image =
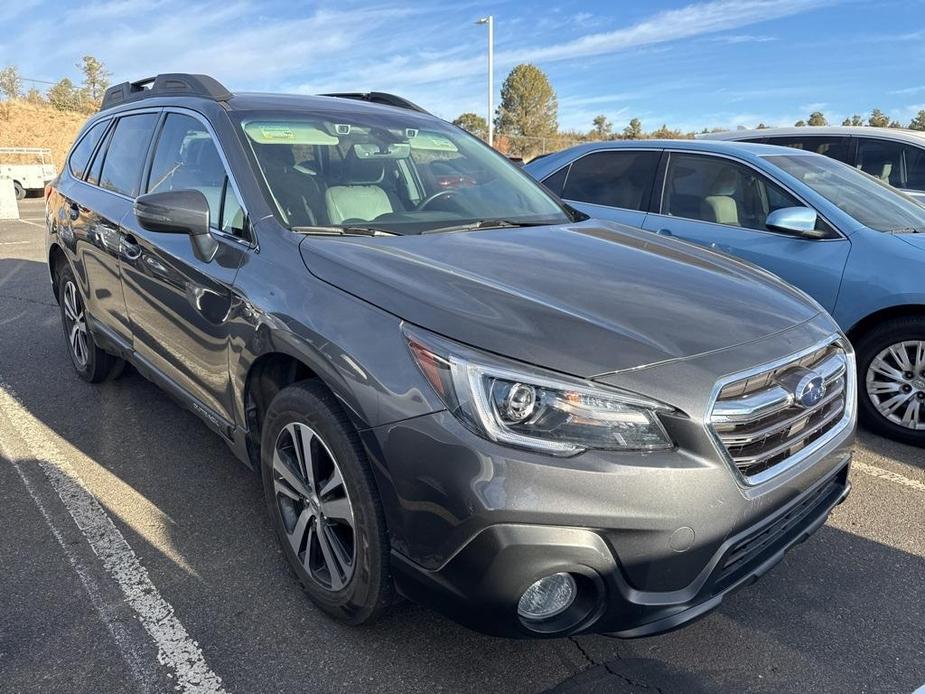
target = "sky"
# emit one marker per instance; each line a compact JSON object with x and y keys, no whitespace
{"x":713,"y":63}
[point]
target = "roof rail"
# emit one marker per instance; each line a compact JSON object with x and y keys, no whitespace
{"x":380,"y":98}
{"x":170,"y":84}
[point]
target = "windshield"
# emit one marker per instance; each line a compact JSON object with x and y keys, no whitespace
{"x":394,"y":172}
{"x":871,"y":202}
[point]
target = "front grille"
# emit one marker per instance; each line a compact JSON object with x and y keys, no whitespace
{"x":762,"y":426}
{"x":744,"y":555}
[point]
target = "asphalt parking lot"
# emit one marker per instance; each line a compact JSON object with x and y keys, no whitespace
{"x":135,"y":555}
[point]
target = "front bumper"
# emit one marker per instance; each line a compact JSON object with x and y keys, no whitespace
{"x":482,"y":583}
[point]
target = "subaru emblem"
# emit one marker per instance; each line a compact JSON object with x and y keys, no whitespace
{"x":807,"y":388}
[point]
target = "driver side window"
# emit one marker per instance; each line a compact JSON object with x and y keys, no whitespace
{"x":186,"y":158}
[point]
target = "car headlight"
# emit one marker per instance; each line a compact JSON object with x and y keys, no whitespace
{"x":532,"y":409}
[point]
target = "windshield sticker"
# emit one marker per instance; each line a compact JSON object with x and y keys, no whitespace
{"x":269,"y":133}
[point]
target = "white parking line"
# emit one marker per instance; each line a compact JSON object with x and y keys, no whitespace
{"x":176,"y":649}
{"x":14,"y":243}
{"x":26,"y":221}
{"x":140,"y":670}
{"x":895,"y":477}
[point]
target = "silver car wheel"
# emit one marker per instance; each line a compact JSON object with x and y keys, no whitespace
{"x":314,"y":505}
{"x":76,"y":325}
{"x":896,"y":383}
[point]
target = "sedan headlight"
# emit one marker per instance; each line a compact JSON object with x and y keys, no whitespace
{"x":532,"y":409}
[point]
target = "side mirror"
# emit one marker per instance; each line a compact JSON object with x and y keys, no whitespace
{"x":179,"y":212}
{"x":794,"y":220}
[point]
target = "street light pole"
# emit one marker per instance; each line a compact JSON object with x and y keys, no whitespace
{"x":490,"y":21}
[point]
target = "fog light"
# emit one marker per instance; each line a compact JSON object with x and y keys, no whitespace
{"x":549,"y":596}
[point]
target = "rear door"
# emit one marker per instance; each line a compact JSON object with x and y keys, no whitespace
{"x":610,"y":184}
{"x":95,"y":207}
{"x":181,"y":306}
{"x":723,"y":203}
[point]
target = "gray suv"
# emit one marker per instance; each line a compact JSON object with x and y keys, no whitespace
{"x":453,"y":386}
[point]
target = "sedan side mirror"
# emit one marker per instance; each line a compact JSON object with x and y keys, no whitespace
{"x":179,"y":212}
{"x":794,"y":220}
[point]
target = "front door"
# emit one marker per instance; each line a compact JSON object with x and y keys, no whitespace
{"x":181,"y":305}
{"x":723,"y":204}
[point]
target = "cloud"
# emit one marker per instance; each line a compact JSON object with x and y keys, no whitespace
{"x":909,"y":90}
{"x":743,"y":38}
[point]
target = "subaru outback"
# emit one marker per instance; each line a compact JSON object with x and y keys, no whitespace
{"x":455,"y":388}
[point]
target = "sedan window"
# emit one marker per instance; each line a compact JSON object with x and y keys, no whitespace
{"x":614,"y":179}
{"x":721,"y":191}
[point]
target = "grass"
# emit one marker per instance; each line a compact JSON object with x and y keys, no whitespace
{"x":38,"y":125}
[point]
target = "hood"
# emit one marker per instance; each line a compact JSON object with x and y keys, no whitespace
{"x":583,"y":299}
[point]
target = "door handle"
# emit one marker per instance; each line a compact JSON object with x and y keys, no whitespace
{"x":664,"y":232}
{"x":130,"y":248}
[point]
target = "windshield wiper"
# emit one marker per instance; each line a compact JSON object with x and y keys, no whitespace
{"x":485,"y":224}
{"x":906,"y":230}
{"x":343,"y":231}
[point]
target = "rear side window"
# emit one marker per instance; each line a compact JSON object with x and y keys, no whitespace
{"x":186,"y":158}
{"x":895,"y":163}
{"x":80,"y":157}
{"x":615,"y":179}
{"x":834,"y":147}
{"x":126,"y":153}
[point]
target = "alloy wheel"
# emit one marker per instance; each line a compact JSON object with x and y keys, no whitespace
{"x":314,"y":504}
{"x":895,"y":383}
{"x":76,"y":325}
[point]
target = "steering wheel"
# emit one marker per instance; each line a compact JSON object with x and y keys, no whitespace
{"x":425,"y":203}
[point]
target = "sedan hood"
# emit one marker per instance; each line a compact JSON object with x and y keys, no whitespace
{"x":584,"y":299}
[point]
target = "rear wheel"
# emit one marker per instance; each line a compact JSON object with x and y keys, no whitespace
{"x":19,"y":190}
{"x":891,"y":379}
{"x":324,"y":505}
{"x":91,"y":363}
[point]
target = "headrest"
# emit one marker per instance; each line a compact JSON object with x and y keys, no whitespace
{"x":276,"y":155}
{"x":364,"y":171}
{"x":725,"y":183}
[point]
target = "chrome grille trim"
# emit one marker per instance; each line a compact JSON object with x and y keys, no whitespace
{"x":758,"y":427}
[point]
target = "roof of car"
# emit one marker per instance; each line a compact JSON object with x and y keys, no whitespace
{"x":720,"y":146}
{"x":903,"y":134}
{"x":184,"y":88}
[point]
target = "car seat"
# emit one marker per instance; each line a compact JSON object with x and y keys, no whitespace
{"x":362,"y":195}
{"x":720,"y":206}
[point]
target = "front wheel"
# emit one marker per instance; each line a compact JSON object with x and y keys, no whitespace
{"x":891,"y":379}
{"x":324,"y":505}
{"x":19,"y":190}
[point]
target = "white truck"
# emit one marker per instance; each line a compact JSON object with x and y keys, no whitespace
{"x":30,"y":176}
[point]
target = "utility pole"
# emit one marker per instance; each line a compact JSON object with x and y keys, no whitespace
{"x":490,"y":21}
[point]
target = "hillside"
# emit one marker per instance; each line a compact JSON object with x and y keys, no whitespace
{"x":39,"y":125}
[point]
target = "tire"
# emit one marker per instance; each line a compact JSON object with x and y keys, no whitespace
{"x":891,"y":376}
{"x":90,"y":362}
{"x":19,"y":190}
{"x":312,"y":520}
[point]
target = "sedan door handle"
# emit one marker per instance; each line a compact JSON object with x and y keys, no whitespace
{"x":664,"y":232}
{"x":130,"y":248}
